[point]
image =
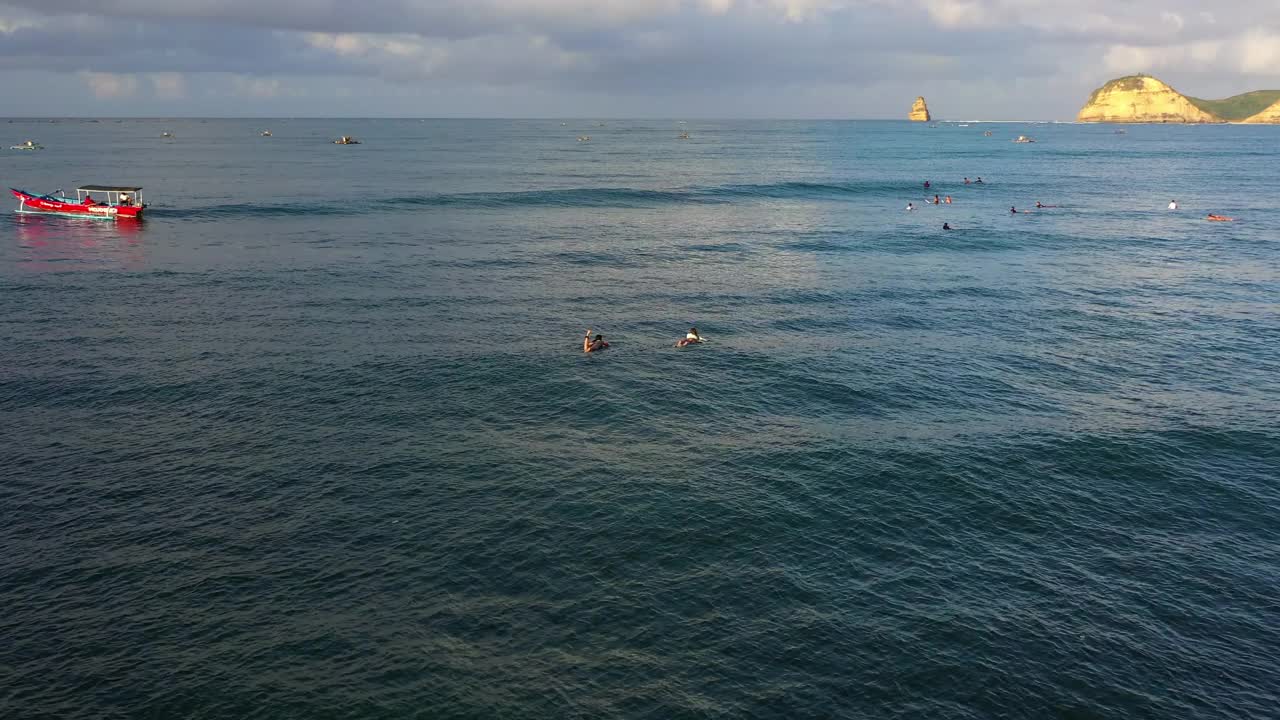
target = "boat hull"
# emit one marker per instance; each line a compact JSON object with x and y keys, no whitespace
{"x":47,"y":205}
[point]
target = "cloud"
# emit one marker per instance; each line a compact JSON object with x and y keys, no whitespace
{"x":989,"y":57}
{"x":9,"y":25}
{"x":436,"y":18}
{"x":110,"y":86}
{"x":256,"y":87}
{"x":168,"y":85}
{"x":1255,"y":52}
{"x":1129,"y":59}
{"x":959,"y":13}
{"x":1258,"y":52}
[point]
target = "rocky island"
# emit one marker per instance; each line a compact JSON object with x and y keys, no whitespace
{"x":1144,"y":99}
{"x":919,"y":111}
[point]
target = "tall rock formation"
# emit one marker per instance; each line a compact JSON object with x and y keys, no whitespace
{"x":919,"y":111}
{"x":1141,"y":99}
{"x":1270,"y":116}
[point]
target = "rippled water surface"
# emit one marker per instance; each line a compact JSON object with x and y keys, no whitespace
{"x":317,"y":440}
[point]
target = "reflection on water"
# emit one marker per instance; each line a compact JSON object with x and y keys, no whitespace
{"x":51,"y":244}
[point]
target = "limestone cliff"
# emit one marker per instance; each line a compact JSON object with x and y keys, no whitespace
{"x":919,"y":111}
{"x":1141,"y":99}
{"x":1269,"y":116}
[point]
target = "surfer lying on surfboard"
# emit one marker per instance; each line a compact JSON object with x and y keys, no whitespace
{"x":691,"y":338}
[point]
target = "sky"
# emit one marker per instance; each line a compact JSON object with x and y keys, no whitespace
{"x":971,"y":59}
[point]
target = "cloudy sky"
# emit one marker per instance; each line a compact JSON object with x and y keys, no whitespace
{"x":972,"y":59}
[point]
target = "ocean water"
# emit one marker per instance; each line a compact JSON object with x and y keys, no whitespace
{"x":316,"y":439}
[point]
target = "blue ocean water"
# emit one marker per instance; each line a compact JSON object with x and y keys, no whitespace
{"x":316,"y":439}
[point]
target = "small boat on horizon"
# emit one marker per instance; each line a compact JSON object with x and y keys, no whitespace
{"x":266,"y":133}
{"x":122,"y":203}
{"x":346,"y":140}
{"x":28,"y":145}
{"x":683,"y":136}
{"x":1024,"y":139}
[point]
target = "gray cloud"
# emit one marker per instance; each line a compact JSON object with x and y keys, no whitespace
{"x":830,"y":57}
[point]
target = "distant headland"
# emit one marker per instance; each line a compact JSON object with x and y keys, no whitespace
{"x":1144,"y":99}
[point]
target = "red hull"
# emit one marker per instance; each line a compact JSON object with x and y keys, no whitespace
{"x":45,"y":204}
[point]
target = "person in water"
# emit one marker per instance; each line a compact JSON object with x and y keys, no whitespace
{"x":1219,"y":218}
{"x":690,"y":338}
{"x":589,"y":345}
{"x":967,"y":181}
{"x":926,"y":185}
{"x":1013,"y":211}
{"x":936,"y":200}
{"x":948,"y":200}
{"x":946,"y":226}
{"x":979,"y":181}
{"x":1173,"y":204}
{"x":911,"y":206}
{"x":1041,"y":206}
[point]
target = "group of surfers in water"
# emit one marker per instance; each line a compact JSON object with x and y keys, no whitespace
{"x":597,"y":343}
{"x":1013,"y":210}
{"x":967,"y":181}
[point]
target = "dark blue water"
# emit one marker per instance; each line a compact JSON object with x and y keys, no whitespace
{"x":317,"y":440}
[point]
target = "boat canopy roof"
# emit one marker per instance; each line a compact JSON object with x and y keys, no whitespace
{"x":108,"y":188}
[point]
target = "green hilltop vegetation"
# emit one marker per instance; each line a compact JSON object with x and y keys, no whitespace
{"x":1238,"y":107}
{"x":1128,"y":82}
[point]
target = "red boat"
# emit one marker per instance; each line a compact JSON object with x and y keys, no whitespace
{"x":116,"y":203}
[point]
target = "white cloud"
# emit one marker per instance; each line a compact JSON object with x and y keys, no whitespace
{"x":802,"y":10}
{"x":958,"y":13}
{"x":168,"y":85}
{"x":1147,"y":21}
{"x":110,"y":86}
{"x":256,"y":87}
{"x":1173,"y":19}
{"x":8,"y":26}
{"x":1258,"y":52}
{"x":1127,"y":59}
{"x":1255,"y":52}
{"x":496,"y":60}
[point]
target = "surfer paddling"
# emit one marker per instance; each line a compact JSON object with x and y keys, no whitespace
{"x":590,"y":345}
